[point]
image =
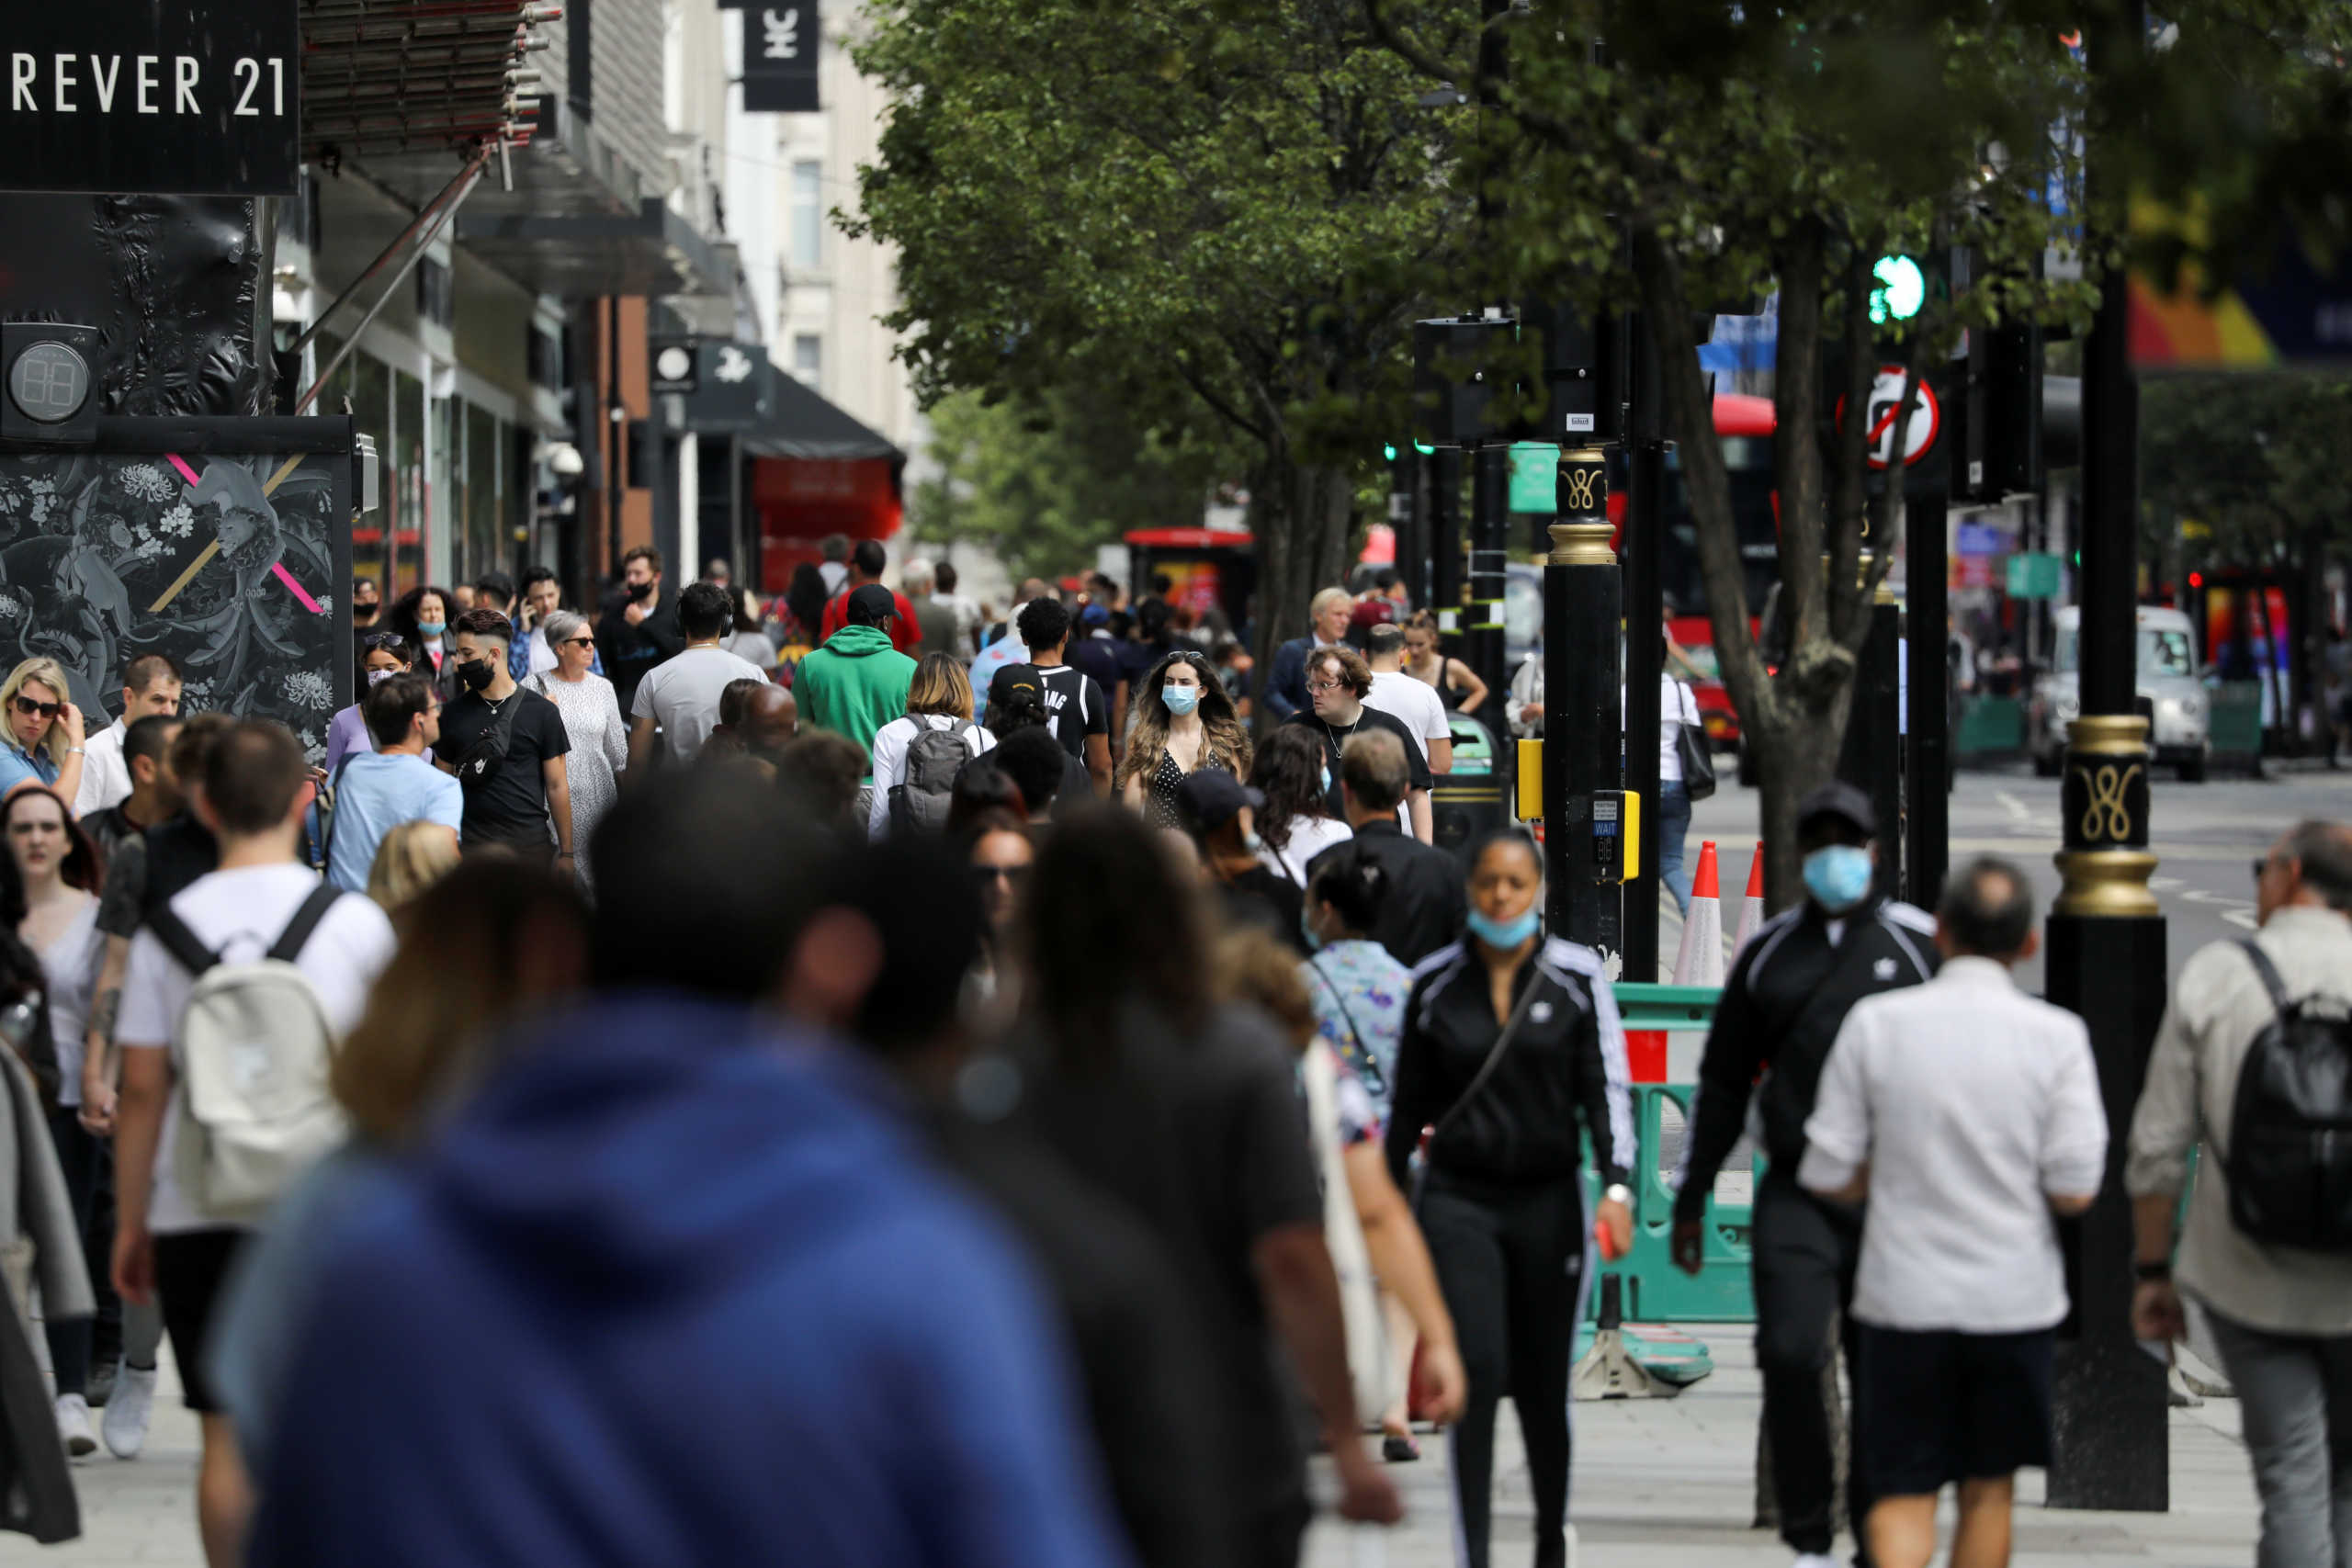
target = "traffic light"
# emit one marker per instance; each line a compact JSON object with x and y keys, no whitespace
{"x":1901,"y":289}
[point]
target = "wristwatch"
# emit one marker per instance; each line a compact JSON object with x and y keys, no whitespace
{"x":2148,"y":1273}
{"x":1617,"y":1192}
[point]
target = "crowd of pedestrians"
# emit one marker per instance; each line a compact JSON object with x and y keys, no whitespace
{"x":1073,"y":1109}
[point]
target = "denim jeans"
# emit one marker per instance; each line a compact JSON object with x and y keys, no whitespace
{"x":1673,"y":825}
{"x":2296,"y":1394}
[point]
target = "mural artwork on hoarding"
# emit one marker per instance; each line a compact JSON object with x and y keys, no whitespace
{"x":231,"y":564}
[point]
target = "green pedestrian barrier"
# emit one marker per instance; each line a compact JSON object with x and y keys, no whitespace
{"x":2235,"y":724}
{"x":1990,"y":727}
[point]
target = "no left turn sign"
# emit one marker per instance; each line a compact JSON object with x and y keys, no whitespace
{"x":1917,"y":436}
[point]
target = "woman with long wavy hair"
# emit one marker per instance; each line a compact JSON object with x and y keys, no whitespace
{"x":1296,"y":825}
{"x":1185,"y":722}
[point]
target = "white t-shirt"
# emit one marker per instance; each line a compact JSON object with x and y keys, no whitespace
{"x":70,"y":964}
{"x":1972,"y":1102}
{"x":682,"y":694}
{"x":1309,"y":837}
{"x":1417,"y":703}
{"x":106,"y":777}
{"x":891,"y":744}
{"x":1676,"y":707}
{"x":240,"y":914}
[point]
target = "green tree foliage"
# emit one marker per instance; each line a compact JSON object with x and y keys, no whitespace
{"x":1707,"y":153}
{"x":2257,"y":461}
{"x":1045,"y":482}
{"x":1189,"y":207}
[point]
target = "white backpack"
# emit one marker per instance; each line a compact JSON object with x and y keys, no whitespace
{"x":255,"y":1109}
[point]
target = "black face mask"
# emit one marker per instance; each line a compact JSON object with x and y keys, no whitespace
{"x":476,"y":675}
{"x":641,"y":591}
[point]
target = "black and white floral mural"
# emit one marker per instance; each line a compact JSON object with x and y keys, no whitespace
{"x":229,"y":563}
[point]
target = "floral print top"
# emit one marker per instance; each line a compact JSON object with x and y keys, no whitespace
{"x":1359,"y":992}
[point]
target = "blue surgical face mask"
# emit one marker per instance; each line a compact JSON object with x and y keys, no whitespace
{"x":431,"y":628}
{"x":1327,"y":778}
{"x":1503,"y":935}
{"x":1181,"y":699}
{"x":1838,"y":876}
{"x":1306,"y":929}
{"x":1250,"y":841}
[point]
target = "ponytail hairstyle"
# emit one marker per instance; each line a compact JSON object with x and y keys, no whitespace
{"x":1354,"y":884}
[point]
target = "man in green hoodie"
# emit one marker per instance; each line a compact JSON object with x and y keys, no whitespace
{"x":856,"y":682}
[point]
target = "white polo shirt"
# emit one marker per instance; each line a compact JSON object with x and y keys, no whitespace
{"x":1972,"y":1102}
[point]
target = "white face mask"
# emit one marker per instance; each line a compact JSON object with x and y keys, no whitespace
{"x":378,"y":677}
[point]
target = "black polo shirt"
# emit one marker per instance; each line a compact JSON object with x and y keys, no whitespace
{"x":1335,"y":736}
{"x":1427,"y":902}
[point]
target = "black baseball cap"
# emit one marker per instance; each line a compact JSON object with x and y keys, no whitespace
{"x":1211,"y":798}
{"x":1014,"y":678}
{"x":1841,"y":800}
{"x":870,"y":605}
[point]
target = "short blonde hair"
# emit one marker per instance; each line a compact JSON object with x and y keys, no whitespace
{"x":940,"y":686}
{"x":1325,"y":599}
{"x":412,"y":858}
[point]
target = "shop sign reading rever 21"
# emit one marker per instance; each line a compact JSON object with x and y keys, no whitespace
{"x":183,"y":98}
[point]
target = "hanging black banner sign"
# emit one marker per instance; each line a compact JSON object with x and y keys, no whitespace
{"x":780,"y":39}
{"x":188,"y":98}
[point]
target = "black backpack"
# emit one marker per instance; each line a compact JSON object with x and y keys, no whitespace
{"x":2291,"y":1125}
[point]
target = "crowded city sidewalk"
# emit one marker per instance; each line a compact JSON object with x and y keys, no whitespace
{"x":1659,"y":1484}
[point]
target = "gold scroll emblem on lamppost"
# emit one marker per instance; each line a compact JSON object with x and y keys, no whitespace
{"x":2103,"y":807}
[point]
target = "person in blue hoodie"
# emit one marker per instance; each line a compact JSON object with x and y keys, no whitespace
{"x":507,"y":1352}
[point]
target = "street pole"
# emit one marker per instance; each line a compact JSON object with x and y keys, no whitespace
{"x":1405,"y":522}
{"x":1644,"y":591}
{"x":1927,"y":751}
{"x":1445,"y":545}
{"x":1581,"y":738}
{"x":2106,"y":934}
{"x":1483,"y":643}
{"x":1871,"y":760}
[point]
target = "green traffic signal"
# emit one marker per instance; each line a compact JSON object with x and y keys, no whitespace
{"x":1901,"y":290}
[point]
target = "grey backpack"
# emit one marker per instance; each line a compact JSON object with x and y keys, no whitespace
{"x":918,"y":801}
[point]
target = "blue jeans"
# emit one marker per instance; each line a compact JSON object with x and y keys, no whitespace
{"x":1673,"y":825}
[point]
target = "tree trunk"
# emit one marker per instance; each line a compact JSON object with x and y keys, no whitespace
{"x":1300,"y":517}
{"x":1794,"y":717}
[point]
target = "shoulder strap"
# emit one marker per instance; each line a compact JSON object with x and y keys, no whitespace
{"x":1339,"y":1001}
{"x":328,"y":815}
{"x":2272,"y":981}
{"x":297,"y":935}
{"x":179,"y":942}
{"x":1494,"y":1056}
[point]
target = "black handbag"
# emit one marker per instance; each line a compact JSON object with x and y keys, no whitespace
{"x":1698,"y":762}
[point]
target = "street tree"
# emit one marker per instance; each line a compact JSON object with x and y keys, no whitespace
{"x":1045,"y":481}
{"x":1681,"y":158}
{"x":1193,"y":207}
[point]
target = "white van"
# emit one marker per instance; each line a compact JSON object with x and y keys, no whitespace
{"x":2169,"y":693}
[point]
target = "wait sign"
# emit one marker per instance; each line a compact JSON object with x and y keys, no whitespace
{"x":179,"y":98}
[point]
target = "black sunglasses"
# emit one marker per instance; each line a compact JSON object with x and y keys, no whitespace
{"x":2261,"y":867}
{"x":579,"y":642}
{"x":25,"y":705}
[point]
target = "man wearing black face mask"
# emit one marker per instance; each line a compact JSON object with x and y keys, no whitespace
{"x":639,"y":627}
{"x":506,"y":747}
{"x":1781,"y":1011}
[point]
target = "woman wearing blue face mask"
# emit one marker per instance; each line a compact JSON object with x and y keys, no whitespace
{"x":1185,"y":722}
{"x":1509,"y":1040}
{"x":422,"y":619}
{"x":1296,"y":824}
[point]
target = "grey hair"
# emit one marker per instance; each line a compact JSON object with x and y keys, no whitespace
{"x":2323,"y":851}
{"x":561,"y":627}
{"x":917,"y":581}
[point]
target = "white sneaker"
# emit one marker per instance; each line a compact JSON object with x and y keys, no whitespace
{"x":73,"y":1426}
{"x":128,"y":1411}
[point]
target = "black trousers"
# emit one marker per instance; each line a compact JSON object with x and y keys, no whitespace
{"x":78,"y":1154}
{"x":1512,"y":1262}
{"x":1805,"y":1256}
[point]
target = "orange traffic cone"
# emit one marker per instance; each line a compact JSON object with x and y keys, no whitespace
{"x":1701,"y":962}
{"x":1752,"y":909}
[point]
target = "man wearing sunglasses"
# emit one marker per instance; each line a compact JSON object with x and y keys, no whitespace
{"x":151,"y":689}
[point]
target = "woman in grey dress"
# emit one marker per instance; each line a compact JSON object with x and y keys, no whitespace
{"x":593,"y":722}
